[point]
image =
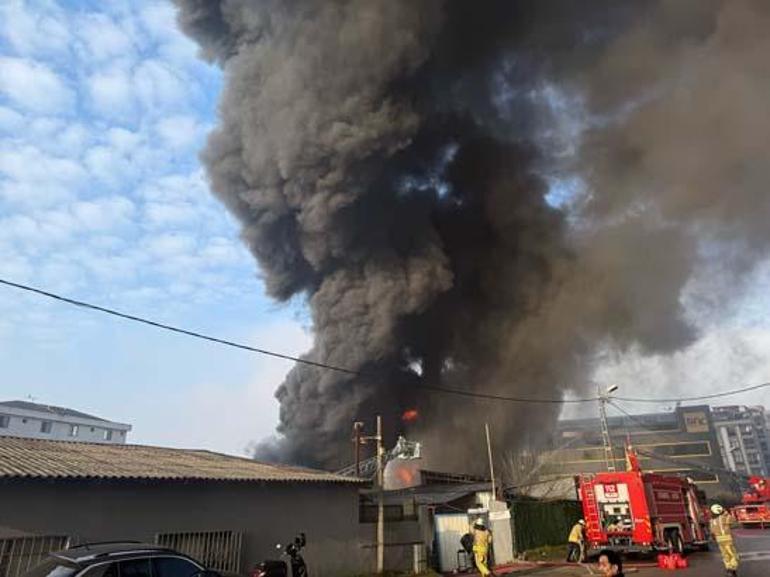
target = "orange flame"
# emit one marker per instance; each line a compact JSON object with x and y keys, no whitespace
{"x":410,"y":415}
{"x":405,"y":476}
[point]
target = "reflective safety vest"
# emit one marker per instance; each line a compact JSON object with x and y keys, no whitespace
{"x":721,"y":526}
{"x":481,"y":538}
{"x":576,"y":535}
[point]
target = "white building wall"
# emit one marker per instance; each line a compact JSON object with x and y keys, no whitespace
{"x":24,"y":423}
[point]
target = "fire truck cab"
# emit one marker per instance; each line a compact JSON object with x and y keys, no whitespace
{"x":642,"y":512}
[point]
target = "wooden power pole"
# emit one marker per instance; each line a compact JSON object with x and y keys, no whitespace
{"x":380,"y":500}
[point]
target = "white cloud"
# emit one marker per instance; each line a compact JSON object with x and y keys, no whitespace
{"x":158,"y":87}
{"x":111,"y":93}
{"x":105,"y":213}
{"x":177,"y":188}
{"x":15,"y":266}
{"x":169,"y":246}
{"x":121,"y":158}
{"x":103,"y":38}
{"x":223,"y":252}
{"x":33,"y":86}
{"x":10,"y":120}
{"x":250,"y":410}
{"x":180,"y":132}
{"x":34,"y":34}
{"x":30,"y":163}
{"x":168,"y":215}
{"x":32,"y":178}
{"x":124,"y":140}
{"x":159,"y":20}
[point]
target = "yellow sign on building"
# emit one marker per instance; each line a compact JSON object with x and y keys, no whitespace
{"x":696,"y":422}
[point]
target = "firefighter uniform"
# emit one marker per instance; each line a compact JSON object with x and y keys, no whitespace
{"x":575,"y":543}
{"x":482,"y":539}
{"x":721,"y":529}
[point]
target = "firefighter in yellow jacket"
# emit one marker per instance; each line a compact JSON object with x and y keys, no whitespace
{"x":575,"y":542}
{"x":721,"y":529}
{"x":482,"y":539}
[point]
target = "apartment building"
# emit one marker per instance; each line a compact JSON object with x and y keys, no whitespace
{"x":744,"y":438}
{"x":39,"y":421}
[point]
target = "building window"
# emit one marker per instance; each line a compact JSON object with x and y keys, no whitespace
{"x":92,"y":429}
{"x":108,"y":435}
{"x":74,"y":429}
{"x":5,"y":420}
{"x":45,"y":427}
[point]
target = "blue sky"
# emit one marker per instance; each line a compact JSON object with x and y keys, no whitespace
{"x":103,"y":109}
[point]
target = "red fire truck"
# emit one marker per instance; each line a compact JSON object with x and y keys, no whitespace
{"x":644,"y":512}
{"x":754,"y":510}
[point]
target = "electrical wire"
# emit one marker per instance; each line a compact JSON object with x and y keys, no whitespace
{"x":174,"y":329}
{"x":492,"y":397}
{"x":346,"y":370}
{"x":695,"y":398}
{"x":262,"y":351}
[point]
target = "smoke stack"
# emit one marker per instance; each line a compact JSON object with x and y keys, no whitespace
{"x":393,"y":162}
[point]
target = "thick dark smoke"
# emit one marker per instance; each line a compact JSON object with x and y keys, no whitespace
{"x":397,"y":162}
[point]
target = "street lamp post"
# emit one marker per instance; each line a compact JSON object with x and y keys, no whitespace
{"x":604,"y":396}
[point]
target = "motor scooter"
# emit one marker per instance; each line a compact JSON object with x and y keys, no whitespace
{"x":278,"y":568}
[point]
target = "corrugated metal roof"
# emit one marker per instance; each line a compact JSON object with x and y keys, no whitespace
{"x":22,"y":458}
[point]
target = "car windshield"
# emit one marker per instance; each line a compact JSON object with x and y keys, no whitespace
{"x":52,"y":568}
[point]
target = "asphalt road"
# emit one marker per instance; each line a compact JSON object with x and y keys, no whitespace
{"x":753,"y":547}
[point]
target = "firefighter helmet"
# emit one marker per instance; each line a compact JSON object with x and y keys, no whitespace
{"x":717,"y":509}
{"x":581,"y":521}
{"x":478,"y":522}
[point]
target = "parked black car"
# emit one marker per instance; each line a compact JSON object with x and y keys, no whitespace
{"x":119,"y":559}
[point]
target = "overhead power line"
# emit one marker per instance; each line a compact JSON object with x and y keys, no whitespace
{"x":695,"y":398}
{"x":174,"y":329}
{"x":346,"y":370}
{"x":493,"y":397}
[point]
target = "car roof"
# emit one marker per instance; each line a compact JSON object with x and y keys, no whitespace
{"x":93,"y":552}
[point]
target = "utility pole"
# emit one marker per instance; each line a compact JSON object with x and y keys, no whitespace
{"x":360,"y":439}
{"x":609,"y":455}
{"x":491,"y":462}
{"x":380,"y":501}
{"x":357,"y":427}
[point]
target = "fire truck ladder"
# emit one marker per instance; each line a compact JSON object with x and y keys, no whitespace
{"x":609,"y":455}
{"x":589,"y":502}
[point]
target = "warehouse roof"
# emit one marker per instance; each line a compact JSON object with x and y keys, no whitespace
{"x":22,"y":458}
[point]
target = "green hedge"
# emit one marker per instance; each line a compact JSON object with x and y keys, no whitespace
{"x":539,"y":523}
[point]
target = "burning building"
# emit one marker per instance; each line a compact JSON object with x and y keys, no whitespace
{"x":484,"y":197}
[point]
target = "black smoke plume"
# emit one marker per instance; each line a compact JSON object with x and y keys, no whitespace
{"x":398,"y":163}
